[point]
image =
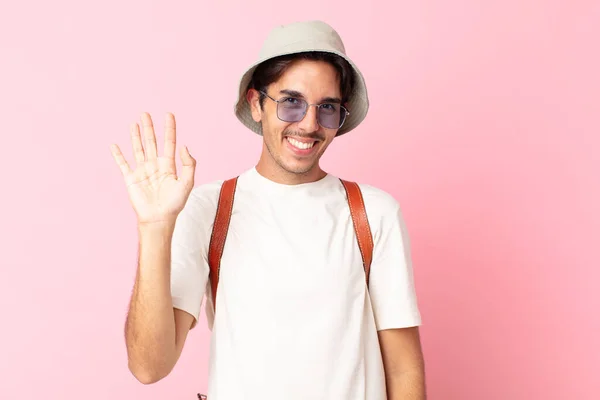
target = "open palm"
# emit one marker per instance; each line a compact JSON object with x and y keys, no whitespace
{"x":155,"y":190}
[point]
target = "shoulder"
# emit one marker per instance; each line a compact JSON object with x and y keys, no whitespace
{"x":202,"y":202}
{"x":380,"y":205}
{"x":204,"y":198}
{"x":206,"y":193}
{"x":385,"y":215}
{"x":378,"y":201}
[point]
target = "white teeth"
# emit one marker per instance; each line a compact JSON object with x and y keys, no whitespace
{"x":300,"y":145}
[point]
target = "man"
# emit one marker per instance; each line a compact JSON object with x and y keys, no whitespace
{"x":293,"y":316}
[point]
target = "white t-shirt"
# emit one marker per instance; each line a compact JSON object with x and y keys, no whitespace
{"x":294,"y":318}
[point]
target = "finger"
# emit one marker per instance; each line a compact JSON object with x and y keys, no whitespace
{"x":136,"y":142}
{"x":170,"y":137}
{"x":149,"y":137}
{"x":120,"y":160}
{"x":188,"y":166}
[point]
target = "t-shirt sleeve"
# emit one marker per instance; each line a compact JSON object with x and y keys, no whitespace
{"x":391,"y":281}
{"x":189,"y":256}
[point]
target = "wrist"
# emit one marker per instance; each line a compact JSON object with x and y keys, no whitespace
{"x":161,"y":227}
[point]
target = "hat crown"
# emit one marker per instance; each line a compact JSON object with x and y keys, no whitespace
{"x":301,"y":35}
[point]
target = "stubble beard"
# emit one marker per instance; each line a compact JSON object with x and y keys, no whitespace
{"x":279,"y":160}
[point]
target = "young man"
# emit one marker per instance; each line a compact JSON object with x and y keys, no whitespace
{"x":294,"y":316}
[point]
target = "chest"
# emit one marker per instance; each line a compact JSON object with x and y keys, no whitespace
{"x":288,"y":254}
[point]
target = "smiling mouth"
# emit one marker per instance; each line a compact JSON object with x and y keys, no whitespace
{"x":306,"y":144}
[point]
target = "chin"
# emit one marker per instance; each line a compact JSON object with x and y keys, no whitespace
{"x":298,"y":168}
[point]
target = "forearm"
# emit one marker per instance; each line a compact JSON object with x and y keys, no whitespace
{"x":409,"y":385}
{"x":150,"y":326}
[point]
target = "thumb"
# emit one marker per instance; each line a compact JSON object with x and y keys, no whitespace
{"x":189,"y":165}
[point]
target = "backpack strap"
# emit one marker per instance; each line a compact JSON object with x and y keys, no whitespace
{"x":362,"y":228}
{"x":219,"y":233}
{"x":223,"y":217}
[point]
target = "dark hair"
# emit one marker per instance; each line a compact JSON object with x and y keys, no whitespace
{"x":271,"y":70}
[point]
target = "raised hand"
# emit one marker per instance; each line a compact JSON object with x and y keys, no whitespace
{"x":156,"y":193}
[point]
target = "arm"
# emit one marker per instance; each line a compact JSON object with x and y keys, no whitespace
{"x":403,"y":363}
{"x":394,"y":299}
{"x":155,"y":332}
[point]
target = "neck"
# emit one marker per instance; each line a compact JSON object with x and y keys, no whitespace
{"x":268,"y":168}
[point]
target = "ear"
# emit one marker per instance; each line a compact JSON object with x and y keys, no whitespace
{"x":253,"y":99}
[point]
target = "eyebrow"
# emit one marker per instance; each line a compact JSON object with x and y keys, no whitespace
{"x":295,"y":93}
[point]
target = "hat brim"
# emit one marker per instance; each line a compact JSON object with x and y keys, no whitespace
{"x":358,"y":101}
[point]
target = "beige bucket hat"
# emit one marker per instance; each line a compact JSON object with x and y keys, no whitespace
{"x":301,"y":37}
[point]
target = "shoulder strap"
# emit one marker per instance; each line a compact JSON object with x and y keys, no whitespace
{"x":219,"y":233}
{"x":361,"y":224}
{"x":223,"y":217}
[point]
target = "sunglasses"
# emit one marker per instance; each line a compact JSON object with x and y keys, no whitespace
{"x":293,"y":109}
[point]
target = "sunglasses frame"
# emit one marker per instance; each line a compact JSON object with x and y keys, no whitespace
{"x":344,"y":111}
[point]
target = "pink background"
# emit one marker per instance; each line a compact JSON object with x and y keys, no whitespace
{"x":484,"y":125}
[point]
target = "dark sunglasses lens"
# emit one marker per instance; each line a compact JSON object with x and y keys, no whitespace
{"x":291,"y":111}
{"x":331,"y":116}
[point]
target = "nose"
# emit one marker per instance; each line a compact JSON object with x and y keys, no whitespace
{"x":309,"y":123}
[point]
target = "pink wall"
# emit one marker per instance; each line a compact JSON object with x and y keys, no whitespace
{"x":484,"y":124}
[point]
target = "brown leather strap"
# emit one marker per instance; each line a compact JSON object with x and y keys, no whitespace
{"x":219,"y":233}
{"x":361,"y":224}
{"x":223,"y":217}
